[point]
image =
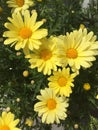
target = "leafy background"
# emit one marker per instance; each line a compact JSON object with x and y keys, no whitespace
{"x":61,"y":16}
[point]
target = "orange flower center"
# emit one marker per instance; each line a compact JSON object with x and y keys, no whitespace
{"x":51,"y":104}
{"x":62,"y":81}
{"x":45,"y":54}
{"x":25,"y":32}
{"x":20,"y":3}
{"x":71,"y":53}
{"x":4,"y":127}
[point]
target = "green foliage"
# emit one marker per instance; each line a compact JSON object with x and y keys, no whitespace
{"x":91,"y":16}
{"x":62,"y":16}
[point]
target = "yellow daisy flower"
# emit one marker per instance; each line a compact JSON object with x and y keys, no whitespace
{"x":46,"y":57}
{"x":51,"y":107}
{"x":19,"y":5}
{"x":24,"y":31}
{"x":7,"y":121}
{"x":62,"y":81}
{"x":78,"y":48}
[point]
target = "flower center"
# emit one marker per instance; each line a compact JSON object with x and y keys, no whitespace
{"x":25,"y":32}
{"x":71,"y":53}
{"x":20,"y":3}
{"x":4,"y":127}
{"x":45,"y":54}
{"x":51,"y":104}
{"x":62,"y":81}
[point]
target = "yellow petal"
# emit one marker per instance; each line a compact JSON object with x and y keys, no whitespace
{"x":41,"y":33}
{"x":10,"y":40}
{"x":37,"y":25}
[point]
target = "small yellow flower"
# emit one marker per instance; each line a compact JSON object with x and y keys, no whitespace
{"x":78,"y":49}
{"x":46,"y":57}
{"x":29,"y":122}
{"x":87,"y":86}
{"x":19,"y":5}
{"x":62,"y":82}
{"x":24,"y":31}
{"x":51,"y":108}
{"x":25,"y":73}
{"x":7,"y":121}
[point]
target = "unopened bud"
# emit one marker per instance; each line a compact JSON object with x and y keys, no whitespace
{"x":18,"y":99}
{"x":44,"y":20}
{"x":8,"y":109}
{"x":76,"y":126}
{"x":32,"y":82}
{"x":18,"y":53}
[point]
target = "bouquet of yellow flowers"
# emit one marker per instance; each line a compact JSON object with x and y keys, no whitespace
{"x":49,"y":64}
